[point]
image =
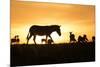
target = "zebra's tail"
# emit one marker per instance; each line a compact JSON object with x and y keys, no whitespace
{"x":28,"y":36}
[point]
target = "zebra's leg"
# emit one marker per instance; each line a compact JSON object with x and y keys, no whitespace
{"x":51,"y":38}
{"x":28,"y":38}
{"x":34,"y":39}
{"x":46,"y":41}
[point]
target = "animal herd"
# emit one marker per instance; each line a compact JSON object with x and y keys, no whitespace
{"x":35,"y":30}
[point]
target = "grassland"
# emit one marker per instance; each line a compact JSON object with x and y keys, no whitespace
{"x":23,"y":54}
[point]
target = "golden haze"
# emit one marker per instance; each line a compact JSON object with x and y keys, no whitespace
{"x":80,"y":19}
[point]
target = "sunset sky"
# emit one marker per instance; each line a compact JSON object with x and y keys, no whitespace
{"x":79,"y":19}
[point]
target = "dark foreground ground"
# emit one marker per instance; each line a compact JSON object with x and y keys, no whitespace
{"x":22,"y":55}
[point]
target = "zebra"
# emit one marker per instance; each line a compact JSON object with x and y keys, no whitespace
{"x":42,"y":30}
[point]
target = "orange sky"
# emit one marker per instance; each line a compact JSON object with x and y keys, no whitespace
{"x":80,"y":19}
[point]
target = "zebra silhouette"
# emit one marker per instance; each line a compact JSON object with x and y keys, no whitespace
{"x":42,"y":30}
